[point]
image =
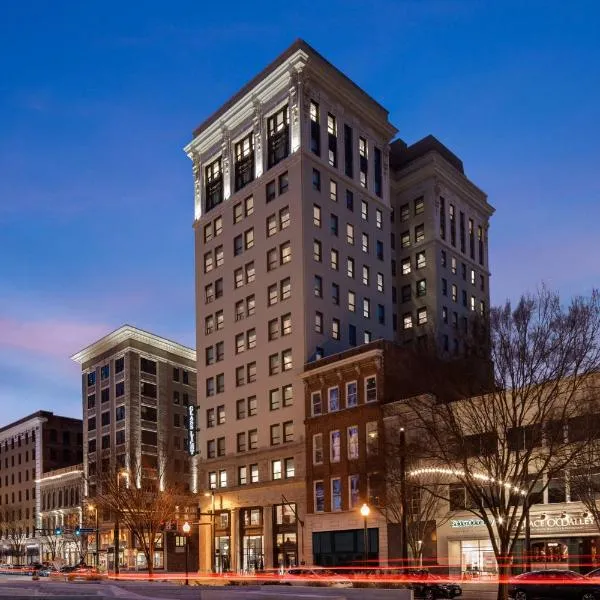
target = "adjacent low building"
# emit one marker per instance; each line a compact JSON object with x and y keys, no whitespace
{"x":29,"y":448}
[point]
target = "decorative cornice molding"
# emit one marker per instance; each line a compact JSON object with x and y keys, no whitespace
{"x":128,"y":332}
{"x":339,"y":364}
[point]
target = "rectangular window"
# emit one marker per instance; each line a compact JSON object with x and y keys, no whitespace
{"x":290,"y":469}
{"x":288,"y":431}
{"x":317,"y":406}
{"x":348,"y":152}
{"x":317,"y":252}
{"x":372,"y":438}
{"x":318,"y":286}
{"x":377,"y":172}
{"x":419,"y":233}
{"x":365,"y":275}
{"x":319,"y":322}
{"x":364,"y":210}
{"x":213,"y":191}
{"x":223,"y":478}
{"x":238,"y":213}
{"x":253,"y":439}
{"x":335,"y":329}
{"x":365,"y":242}
{"x":380,"y":286}
{"x":285,"y":253}
{"x":317,"y":448}
{"x":242,"y":475}
{"x":350,"y":234}
{"x":221,"y":446}
{"x":244,"y":161}
{"x":272,"y":294}
{"x":285,"y":288}
{"x":366,"y":308}
{"x":335,"y":293}
{"x":319,"y":496}
{"x":352,"y":433}
{"x":332,"y":140}
{"x":316,"y":180}
{"x":349,"y":200}
{"x":333,"y":394}
{"x":333,"y":224}
{"x":379,"y":250}
{"x":278,"y":142}
{"x":336,"y":494}
{"x":333,"y":190}
{"x":286,"y":360}
{"x":276,"y":469}
{"x":422,"y":316}
{"x":354,"y":491}
{"x":240,"y":409}
{"x":363,"y":153}
{"x":471,"y":239}
{"x":315,"y":129}
{"x":287,"y":392}
{"x":335,"y":446}
{"x":334,"y":260}
{"x":271,"y":227}
{"x":284,"y":218}
{"x":351,"y":301}
{"x":275,"y":434}
{"x":421,"y":287}
{"x":316,"y":215}
{"x":405,"y":266}
{"x":284,"y":183}
{"x":462,"y":231}
{"x":452,"y":224}
{"x":350,"y":267}
{"x":254,"y":473}
{"x":371,"y":389}
{"x":442,"y":218}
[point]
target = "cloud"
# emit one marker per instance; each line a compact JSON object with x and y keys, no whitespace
{"x":58,"y":338}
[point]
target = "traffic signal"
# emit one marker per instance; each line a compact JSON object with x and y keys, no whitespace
{"x":58,"y":531}
{"x":77,"y":530}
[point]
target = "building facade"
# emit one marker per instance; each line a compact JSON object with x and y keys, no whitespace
{"x":139,"y":391}
{"x":441,"y":262}
{"x":61,"y":496}
{"x":292,"y":220}
{"x":29,"y":448}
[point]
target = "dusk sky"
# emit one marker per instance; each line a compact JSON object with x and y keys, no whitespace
{"x":97,"y":100}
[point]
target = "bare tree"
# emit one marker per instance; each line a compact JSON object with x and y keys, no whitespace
{"x":15,"y":533}
{"x":52,"y":543}
{"x":507,"y":444}
{"x":424,"y":506}
{"x":140,"y":505}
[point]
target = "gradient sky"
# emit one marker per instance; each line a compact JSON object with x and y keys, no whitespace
{"x":97,"y":100}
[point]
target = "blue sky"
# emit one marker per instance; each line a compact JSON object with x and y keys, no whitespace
{"x":97,"y":100}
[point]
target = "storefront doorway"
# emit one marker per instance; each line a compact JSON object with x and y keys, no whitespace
{"x":472,"y":558}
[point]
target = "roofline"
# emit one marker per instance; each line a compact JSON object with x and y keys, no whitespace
{"x":129,"y":332}
{"x":298,"y":45}
{"x":40,"y":415}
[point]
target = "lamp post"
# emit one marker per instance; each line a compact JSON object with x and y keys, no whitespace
{"x":212,"y":530}
{"x":526,"y":507}
{"x":403,"y":503}
{"x":117,"y":532}
{"x":186,"y":530}
{"x":97,"y":551}
{"x":364,"y":511}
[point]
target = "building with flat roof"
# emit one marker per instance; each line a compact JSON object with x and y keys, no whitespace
{"x":29,"y":448}
{"x":138,"y":391}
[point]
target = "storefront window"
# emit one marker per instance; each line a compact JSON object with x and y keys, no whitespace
{"x":252,"y":553}
{"x":474,"y":557}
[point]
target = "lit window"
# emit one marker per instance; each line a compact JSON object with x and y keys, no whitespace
{"x":336,"y":494}
{"x":249,"y":239}
{"x":285,"y":251}
{"x":333,"y":190}
{"x":316,"y":215}
{"x":372,"y":438}
{"x":317,"y":250}
{"x":364,"y":210}
{"x":351,"y":394}
{"x":334,"y":399}
{"x":285,"y":288}
{"x":286,"y":359}
{"x":335,"y":446}
{"x":350,"y":234}
{"x":365,"y":275}
{"x":318,"y":286}
{"x":351,"y":301}
{"x":317,"y":449}
{"x":379,"y":218}
{"x":319,"y":322}
{"x":335,"y":329}
{"x":380,"y":286}
{"x":334,"y":259}
{"x":419,"y":205}
{"x":405,"y":264}
{"x":371,"y":388}
{"x":422,"y":316}
{"x":366,"y":308}
{"x":405,"y":239}
{"x":350,"y":267}
{"x":421,"y":260}
{"x":271,"y":225}
{"x":276,"y":469}
{"x":353,"y":442}
{"x":365,"y":242}
{"x":407,"y":321}
{"x":319,"y":497}
{"x":284,"y":218}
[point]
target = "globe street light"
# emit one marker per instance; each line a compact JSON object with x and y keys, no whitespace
{"x":364,"y":511}
{"x":186,"y":530}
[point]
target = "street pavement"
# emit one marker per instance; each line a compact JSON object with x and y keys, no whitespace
{"x":24,"y":587}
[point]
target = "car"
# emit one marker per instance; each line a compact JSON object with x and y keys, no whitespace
{"x":553,"y":584}
{"x":315,"y":576}
{"x":431,"y":587}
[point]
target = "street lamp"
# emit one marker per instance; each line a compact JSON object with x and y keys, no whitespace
{"x":212,"y":530}
{"x":120,"y":473}
{"x":364,"y":511}
{"x":97,"y":552}
{"x":186,"y":530}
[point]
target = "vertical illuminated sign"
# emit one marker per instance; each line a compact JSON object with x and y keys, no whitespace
{"x":192,"y":428}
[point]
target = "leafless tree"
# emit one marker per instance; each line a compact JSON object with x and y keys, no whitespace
{"x":52,"y":544}
{"x":142,"y":507}
{"x":507,"y":444}
{"x":424,"y":506}
{"x":15,"y":532}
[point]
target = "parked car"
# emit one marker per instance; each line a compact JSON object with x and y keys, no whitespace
{"x":431,"y":587}
{"x":315,"y":576}
{"x":553,"y":584}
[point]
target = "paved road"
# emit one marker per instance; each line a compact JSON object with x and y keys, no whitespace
{"x":23,"y":587}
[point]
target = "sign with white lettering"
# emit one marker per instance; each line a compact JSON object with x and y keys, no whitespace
{"x":558,"y":523}
{"x":192,"y":428}
{"x":458,"y":523}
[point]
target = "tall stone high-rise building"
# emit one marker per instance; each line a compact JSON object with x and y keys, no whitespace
{"x":298,"y":248}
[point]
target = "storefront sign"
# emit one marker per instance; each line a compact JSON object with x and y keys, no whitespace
{"x":557,"y":523}
{"x":458,"y":523}
{"x":192,"y":428}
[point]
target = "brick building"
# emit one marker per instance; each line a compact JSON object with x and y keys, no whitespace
{"x":29,"y":448}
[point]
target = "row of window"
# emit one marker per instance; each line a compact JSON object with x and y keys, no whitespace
{"x":332,"y":149}
{"x":334,"y":402}
{"x":352,"y":444}
{"x":471,"y":304}
{"x":145,"y":411}
{"x":146,"y":366}
{"x":462,"y":231}
{"x":19,"y":458}
{"x":20,"y":439}
{"x":407,"y":318}
{"x":106,"y":441}
{"x":19,"y":476}
{"x":280,"y":469}
{"x":244,"y":168}
{"x":335,"y":495}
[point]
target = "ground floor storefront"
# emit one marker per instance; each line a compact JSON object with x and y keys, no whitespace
{"x":562,"y":536}
{"x":339,"y":540}
{"x":251,"y":531}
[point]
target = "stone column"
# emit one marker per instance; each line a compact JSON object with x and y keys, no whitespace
{"x":259,"y":139}
{"x":234,"y":540}
{"x":268,"y":548}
